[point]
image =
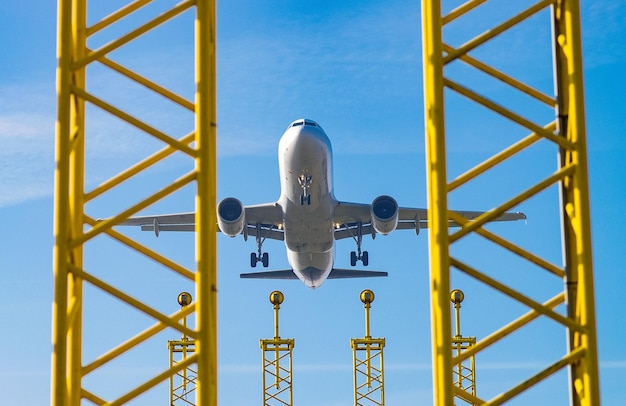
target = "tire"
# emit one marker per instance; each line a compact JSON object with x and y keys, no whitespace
{"x":365,"y":258}
{"x":353,"y":258}
{"x":265,"y":259}
{"x":253,"y":259}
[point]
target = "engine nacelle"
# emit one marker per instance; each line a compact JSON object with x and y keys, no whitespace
{"x":384,"y":212}
{"x":231,"y":216}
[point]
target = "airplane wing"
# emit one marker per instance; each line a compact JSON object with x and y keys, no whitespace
{"x":163,"y":222}
{"x":349,"y":216}
{"x":265,"y":219}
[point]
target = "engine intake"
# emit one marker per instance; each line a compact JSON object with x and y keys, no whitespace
{"x":384,"y":212}
{"x":231,"y":216}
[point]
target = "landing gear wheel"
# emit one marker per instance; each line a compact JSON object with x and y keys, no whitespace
{"x":353,"y":258}
{"x":253,"y":259}
{"x":365,"y":258}
{"x":265,"y":258}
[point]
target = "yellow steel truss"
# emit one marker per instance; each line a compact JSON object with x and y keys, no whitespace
{"x":277,"y":362}
{"x":73,"y":228}
{"x":368,"y":363}
{"x":567,"y":134}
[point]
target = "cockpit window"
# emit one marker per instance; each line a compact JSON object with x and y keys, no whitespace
{"x":310,"y":123}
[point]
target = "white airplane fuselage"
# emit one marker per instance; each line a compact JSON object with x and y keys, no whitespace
{"x":308,"y":203}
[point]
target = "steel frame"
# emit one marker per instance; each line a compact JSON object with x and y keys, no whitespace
{"x":568,"y":134}
{"x":369,"y":379}
{"x":182,"y":393}
{"x":277,"y":362}
{"x":369,"y":373}
{"x":277,"y":371}
{"x":73,"y":228}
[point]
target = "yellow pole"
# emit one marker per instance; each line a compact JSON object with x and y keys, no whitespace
{"x":437,"y":202}
{"x":276,"y":298}
{"x":77,"y":182}
{"x":69,"y":207}
{"x":584,"y":375}
{"x":456,"y":297}
{"x":61,"y":207}
{"x":206,"y":220}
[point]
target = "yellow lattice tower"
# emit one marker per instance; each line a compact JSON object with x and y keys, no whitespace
{"x":277,"y":362}
{"x":183,"y":383}
{"x":367,"y":356}
{"x":464,"y":373}
{"x":567,"y":136}
{"x":74,"y":228}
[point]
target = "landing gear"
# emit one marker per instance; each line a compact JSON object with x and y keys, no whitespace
{"x":358,"y":255}
{"x":261,"y":256}
{"x":305,"y":183}
{"x":305,"y":199}
{"x":264,"y":258}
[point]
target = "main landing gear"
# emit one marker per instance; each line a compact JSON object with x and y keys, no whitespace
{"x":261,"y":256}
{"x":358,"y":255}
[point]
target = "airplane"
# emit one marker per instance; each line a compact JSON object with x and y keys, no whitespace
{"x":307,"y":216}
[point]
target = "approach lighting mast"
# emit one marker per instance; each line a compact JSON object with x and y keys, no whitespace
{"x":367,"y":356}
{"x":464,"y":373}
{"x":183,"y":383}
{"x":277,"y":362}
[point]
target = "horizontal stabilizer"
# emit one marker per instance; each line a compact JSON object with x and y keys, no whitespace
{"x":280,"y":274}
{"x":337,"y":273}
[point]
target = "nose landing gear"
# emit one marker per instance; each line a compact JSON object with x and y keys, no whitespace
{"x":305,"y":182}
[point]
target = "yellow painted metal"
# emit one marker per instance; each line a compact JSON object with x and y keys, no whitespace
{"x":183,"y":383}
{"x":437,"y":200}
{"x":74,"y":228}
{"x":463,"y":372}
{"x":206,"y":197}
{"x":368,"y":375}
{"x":584,"y":382}
{"x":567,"y":134}
{"x":277,"y":378}
{"x":69,"y":179}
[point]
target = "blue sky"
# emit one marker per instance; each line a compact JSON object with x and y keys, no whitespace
{"x":355,"y":68}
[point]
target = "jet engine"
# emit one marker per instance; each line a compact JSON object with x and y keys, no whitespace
{"x":231,"y":216}
{"x":384,"y":212}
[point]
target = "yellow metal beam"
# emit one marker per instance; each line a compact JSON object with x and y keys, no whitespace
{"x":584,"y":385}
{"x":437,"y":201}
{"x":206,"y":197}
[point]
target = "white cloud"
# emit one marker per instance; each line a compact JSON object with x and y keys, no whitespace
{"x":27,"y":137}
